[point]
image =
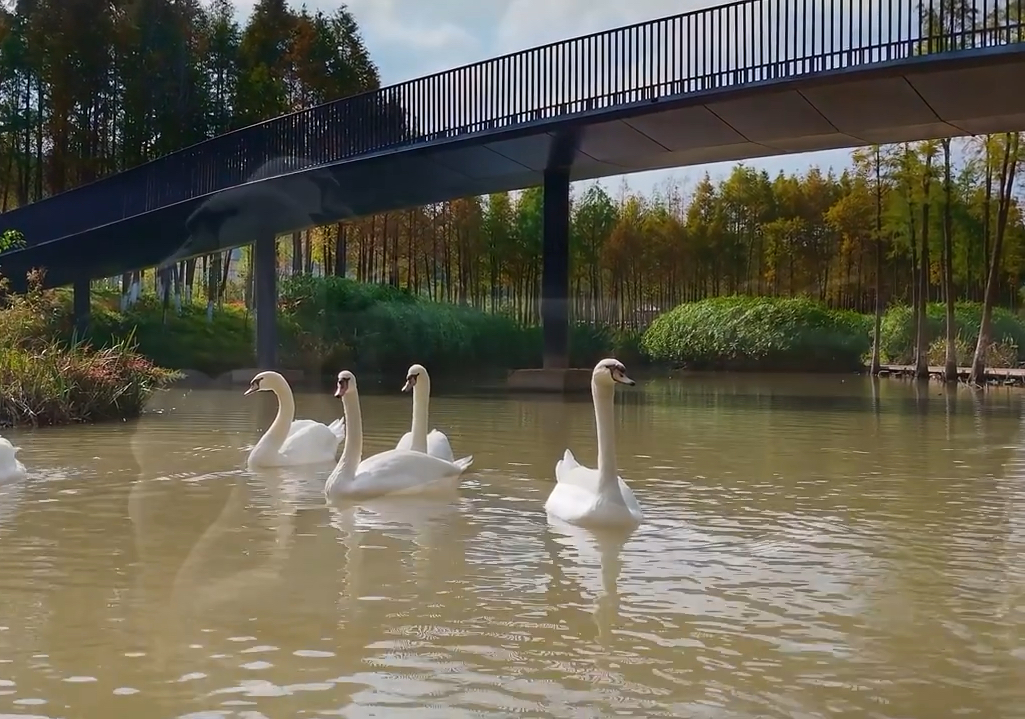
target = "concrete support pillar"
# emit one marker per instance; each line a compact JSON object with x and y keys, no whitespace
{"x":555,"y":270}
{"x":265,"y":277}
{"x":81,"y":304}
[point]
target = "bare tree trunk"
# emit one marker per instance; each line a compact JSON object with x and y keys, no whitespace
{"x":877,"y":328}
{"x":1007,"y":170}
{"x":950,"y":358}
{"x":922,"y":349}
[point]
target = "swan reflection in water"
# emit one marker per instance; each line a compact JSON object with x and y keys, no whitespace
{"x":429,"y":523}
{"x":594,"y":557}
{"x":192,"y":531}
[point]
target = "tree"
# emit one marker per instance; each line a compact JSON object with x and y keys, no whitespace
{"x":1010,"y":153}
{"x":950,"y":357}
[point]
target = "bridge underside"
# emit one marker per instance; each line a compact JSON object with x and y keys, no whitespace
{"x":917,"y":99}
{"x":912,"y":100}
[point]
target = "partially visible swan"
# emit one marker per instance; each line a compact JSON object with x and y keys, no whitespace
{"x":394,"y":471}
{"x":11,"y":470}
{"x":596,"y":497}
{"x":289,"y":441}
{"x":436,"y":443}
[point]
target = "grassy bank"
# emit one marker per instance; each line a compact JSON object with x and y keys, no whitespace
{"x":46,"y":379}
{"x":898,"y":335}
{"x":327,"y":323}
{"x":331,"y":322}
{"x":759,"y":333}
{"x":801,"y":335}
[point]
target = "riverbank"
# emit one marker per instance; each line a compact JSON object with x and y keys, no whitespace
{"x":327,"y":323}
{"x":1007,"y":376}
{"x":47,"y":379}
{"x":765,"y":334}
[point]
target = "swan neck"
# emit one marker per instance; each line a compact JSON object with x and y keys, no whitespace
{"x":277,"y":433}
{"x":608,"y":475}
{"x":421,"y":404}
{"x":352,"y":450}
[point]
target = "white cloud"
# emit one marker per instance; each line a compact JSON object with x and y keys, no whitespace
{"x":399,"y":22}
{"x":526,"y":23}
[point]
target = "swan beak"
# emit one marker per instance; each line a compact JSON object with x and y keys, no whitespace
{"x":625,"y":380}
{"x":343,"y":385}
{"x":410,"y":383}
{"x":249,"y":391}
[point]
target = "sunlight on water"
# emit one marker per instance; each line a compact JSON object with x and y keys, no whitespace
{"x":810,"y":548}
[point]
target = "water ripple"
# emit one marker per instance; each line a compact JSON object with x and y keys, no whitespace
{"x":809,"y":549}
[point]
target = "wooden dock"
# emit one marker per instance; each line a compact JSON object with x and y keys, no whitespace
{"x":994,"y":375}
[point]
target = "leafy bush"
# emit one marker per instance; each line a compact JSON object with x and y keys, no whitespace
{"x":329,"y":322}
{"x":759,"y":333}
{"x":897,"y":341}
{"x":45,"y":379}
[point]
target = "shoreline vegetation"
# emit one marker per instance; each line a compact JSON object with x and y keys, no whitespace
{"x":50,"y":377}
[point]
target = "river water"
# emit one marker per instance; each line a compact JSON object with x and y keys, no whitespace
{"x":811,"y":548}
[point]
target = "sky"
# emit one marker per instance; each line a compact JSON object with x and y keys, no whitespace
{"x":411,"y":38}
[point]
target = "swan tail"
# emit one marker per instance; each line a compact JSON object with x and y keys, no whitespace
{"x":464,"y":463}
{"x":338,"y":428}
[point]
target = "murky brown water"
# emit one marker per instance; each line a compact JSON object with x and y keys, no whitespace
{"x":811,"y":548}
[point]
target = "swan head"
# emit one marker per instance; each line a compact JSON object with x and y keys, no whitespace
{"x":609,"y":372}
{"x":413,"y":374}
{"x":346,"y":383}
{"x":264,"y":382}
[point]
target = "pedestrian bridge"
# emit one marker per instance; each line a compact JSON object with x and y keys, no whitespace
{"x":743,"y":80}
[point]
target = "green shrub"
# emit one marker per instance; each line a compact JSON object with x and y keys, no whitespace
{"x":330,"y":322}
{"x":897,"y":342}
{"x":324,"y":323}
{"x":759,"y":333}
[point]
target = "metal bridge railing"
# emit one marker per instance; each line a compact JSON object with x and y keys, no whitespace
{"x":736,"y":44}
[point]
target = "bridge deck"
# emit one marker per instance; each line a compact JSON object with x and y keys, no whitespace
{"x":499,"y":124}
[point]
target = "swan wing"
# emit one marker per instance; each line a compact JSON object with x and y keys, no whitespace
{"x":571,"y":502}
{"x":438,"y":446}
{"x":565,"y":466}
{"x":403,"y":471}
{"x":338,"y":427}
{"x":405,"y":441}
{"x":310,"y":440}
{"x":575,"y":499}
{"x":10,"y":468}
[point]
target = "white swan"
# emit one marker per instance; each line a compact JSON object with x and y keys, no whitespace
{"x":289,"y":441}
{"x":11,"y":470}
{"x":596,"y":497}
{"x":394,"y":471}
{"x":436,"y":443}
